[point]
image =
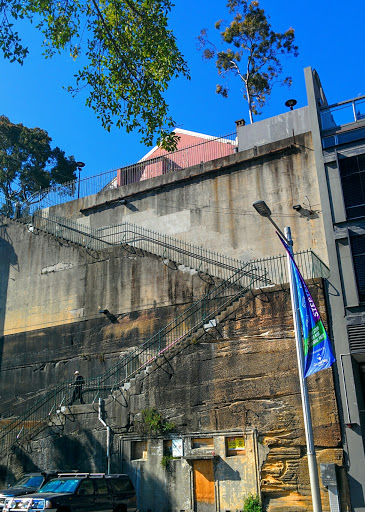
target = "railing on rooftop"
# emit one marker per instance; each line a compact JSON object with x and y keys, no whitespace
{"x":209,"y":149}
{"x":341,"y":121}
{"x":339,"y":114}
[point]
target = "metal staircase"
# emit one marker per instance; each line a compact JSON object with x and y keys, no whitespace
{"x":235,"y":280}
{"x":186,"y":256}
{"x":184,"y":328}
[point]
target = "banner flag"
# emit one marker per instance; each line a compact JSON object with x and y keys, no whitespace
{"x":318,"y":353}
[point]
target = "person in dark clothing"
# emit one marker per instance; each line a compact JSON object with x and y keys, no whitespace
{"x":77,"y":392}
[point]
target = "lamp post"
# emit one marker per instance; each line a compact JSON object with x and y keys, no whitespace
{"x":79,"y":166}
{"x":262,"y":208}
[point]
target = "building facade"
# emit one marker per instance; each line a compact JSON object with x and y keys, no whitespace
{"x":339,"y":147}
{"x":88,"y":284}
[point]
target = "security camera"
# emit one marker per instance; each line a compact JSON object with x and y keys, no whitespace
{"x":297,"y":207}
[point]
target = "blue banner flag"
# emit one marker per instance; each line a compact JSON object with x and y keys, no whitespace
{"x":318,"y":353}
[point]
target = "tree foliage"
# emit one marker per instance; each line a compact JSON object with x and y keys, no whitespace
{"x":130,"y":55}
{"x":28,"y":163}
{"x":250,"y":50}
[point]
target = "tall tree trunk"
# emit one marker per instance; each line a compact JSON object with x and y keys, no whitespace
{"x":249,"y":104}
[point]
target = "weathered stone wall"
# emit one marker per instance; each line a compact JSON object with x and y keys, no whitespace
{"x":54,"y":294}
{"x":211,"y":204}
{"x":242,"y":380}
{"x":54,"y":283}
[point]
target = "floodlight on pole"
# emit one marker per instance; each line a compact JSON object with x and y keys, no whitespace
{"x":262,"y":208}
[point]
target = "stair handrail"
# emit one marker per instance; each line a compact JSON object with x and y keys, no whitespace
{"x":207,"y":307}
{"x":273,"y":269}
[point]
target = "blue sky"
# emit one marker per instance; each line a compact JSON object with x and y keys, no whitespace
{"x":327,"y":33}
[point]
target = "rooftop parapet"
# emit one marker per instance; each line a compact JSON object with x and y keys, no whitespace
{"x":273,"y":129}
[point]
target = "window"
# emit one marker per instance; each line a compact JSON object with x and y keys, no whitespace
{"x":167,"y":447}
{"x":139,"y":450}
{"x":101,"y":486}
{"x":202,"y":443}
{"x":32,"y":481}
{"x":122,"y":484}
{"x":352,"y":171}
{"x":61,"y":485}
{"x":86,"y":488}
{"x":358,"y":254}
{"x":235,"y":445}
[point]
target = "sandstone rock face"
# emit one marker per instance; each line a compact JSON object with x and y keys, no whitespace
{"x":240,"y":378}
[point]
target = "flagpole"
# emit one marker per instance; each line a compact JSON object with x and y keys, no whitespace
{"x":311,"y":454}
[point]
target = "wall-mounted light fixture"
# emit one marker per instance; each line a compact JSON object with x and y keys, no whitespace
{"x":305,"y":212}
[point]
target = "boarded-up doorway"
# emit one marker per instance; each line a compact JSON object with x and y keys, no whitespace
{"x":203,"y":473}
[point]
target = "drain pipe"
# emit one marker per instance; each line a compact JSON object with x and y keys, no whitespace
{"x":107,"y":437}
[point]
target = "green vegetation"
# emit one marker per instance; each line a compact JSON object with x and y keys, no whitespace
{"x":28,"y":163}
{"x":166,"y":459}
{"x":126,"y":52}
{"x":252,"y":504}
{"x":153,"y":423}
{"x":250,"y":50}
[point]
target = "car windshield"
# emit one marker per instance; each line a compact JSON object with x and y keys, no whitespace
{"x":60,"y":485}
{"x":30,"y":481}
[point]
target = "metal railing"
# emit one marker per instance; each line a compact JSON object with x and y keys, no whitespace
{"x":345,"y":112}
{"x":237,"y":279}
{"x":134,"y":238}
{"x":187,"y":324}
{"x":209,"y":149}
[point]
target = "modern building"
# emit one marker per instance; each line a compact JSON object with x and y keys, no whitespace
{"x":338,"y":132}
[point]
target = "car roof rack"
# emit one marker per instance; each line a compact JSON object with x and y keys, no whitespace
{"x":81,"y":475}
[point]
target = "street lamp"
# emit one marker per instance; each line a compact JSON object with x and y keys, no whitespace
{"x":262,"y":208}
{"x":79,"y":166}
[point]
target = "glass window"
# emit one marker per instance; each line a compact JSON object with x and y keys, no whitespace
{"x":352,"y":171}
{"x":86,"y":488}
{"x":139,"y":450}
{"x":167,"y":447}
{"x":30,"y":481}
{"x":358,"y":254}
{"x":61,"y":485}
{"x":205,"y":442}
{"x":122,"y":484}
{"x":101,"y":486}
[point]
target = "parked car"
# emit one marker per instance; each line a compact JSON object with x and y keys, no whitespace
{"x":30,"y":482}
{"x":79,"y":492}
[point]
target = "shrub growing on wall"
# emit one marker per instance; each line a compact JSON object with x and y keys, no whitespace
{"x":252,"y":504}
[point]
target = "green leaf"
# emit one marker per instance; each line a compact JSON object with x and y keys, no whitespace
{"x":131,"y":54}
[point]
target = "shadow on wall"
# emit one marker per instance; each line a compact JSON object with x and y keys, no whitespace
{"x":8,"y":259}
{"x":152,"y":493}
{"x":69,"y":453}
{"x":57,"y":452}
{"x":18,"y":463}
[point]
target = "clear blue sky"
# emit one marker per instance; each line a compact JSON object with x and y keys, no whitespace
{"x":328,"y":34}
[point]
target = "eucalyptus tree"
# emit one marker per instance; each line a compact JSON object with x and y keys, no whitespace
{"x":250,"y":50}
{"x":126,"y":51}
